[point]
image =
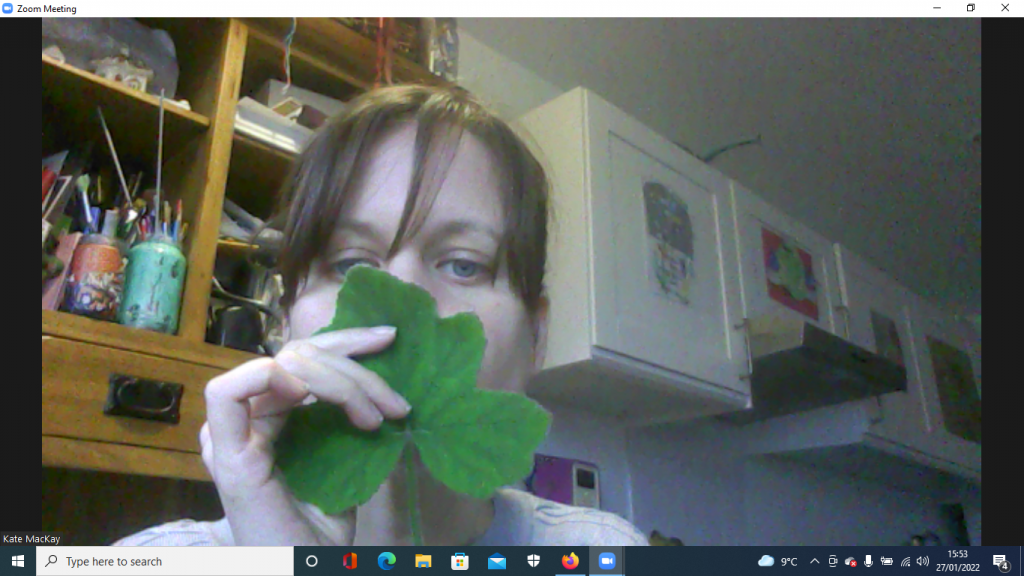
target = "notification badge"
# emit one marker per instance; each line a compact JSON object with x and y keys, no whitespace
{"x":571,"y":561}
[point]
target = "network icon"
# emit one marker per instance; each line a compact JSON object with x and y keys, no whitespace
{"x":906,"y":561}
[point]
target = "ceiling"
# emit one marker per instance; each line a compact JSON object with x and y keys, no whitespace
{"x":867,"y":126}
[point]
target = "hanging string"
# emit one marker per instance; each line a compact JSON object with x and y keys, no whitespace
{"x":385,"y":47}
{"x":389,"y":41}
{"x":379,"y":64}
{"x":288,"y":55}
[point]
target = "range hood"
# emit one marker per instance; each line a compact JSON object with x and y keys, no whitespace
{"x":798,"y":367}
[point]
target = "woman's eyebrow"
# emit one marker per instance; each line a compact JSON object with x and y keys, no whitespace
{"x":447,"y":230}
{"x":464,"y":227}
{"x":360,"y":228}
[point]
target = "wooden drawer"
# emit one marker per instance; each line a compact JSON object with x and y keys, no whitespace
{"x":76,"y":381}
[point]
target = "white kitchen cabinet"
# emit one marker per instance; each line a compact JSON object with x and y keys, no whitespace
{"x":879,"y":321}
{"x":864,"y":436}
{"x":948,"y":358}
{"x":642,"y":277}
{"x":890,"y":320}
{"x":786,"y":269}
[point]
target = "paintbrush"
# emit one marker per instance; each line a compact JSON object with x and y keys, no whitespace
{"x":113,"y":152}
{"x":160,"y":154}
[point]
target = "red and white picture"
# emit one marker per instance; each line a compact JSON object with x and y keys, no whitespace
{"x":789,"y":270}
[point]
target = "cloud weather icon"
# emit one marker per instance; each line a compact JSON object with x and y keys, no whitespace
{"x":766,"y":560}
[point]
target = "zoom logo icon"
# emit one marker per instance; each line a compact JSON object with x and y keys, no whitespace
{"x":8,"y":7}
{"x":386,"y":561}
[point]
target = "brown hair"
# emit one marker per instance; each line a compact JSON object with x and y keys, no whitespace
{"x":320,"y":187}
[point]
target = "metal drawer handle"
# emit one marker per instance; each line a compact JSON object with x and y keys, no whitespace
{"x":144,"y":399}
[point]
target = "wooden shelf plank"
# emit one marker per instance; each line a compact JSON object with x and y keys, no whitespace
{"x":61,"y":452}
{"x":81,"y":329}
{"x":70,"y":101}
{"x":85,"y":81}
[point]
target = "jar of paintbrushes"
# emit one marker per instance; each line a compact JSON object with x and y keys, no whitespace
{"x":155,"y":277}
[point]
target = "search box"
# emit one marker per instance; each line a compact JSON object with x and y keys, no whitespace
{"x":162,"y":561}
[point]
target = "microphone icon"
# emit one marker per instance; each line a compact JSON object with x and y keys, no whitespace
{"x":867,"y":561}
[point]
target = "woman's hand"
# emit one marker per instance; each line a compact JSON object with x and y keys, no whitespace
{"x":246,"y":410}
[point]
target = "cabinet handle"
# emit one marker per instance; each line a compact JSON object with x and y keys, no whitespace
{"x":881,"y":411}
{"x":745,"y":326}
{"x":144,"y":399}
{"x":845,"y":311}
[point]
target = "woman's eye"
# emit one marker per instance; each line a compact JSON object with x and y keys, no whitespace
{"x":343,"y":266}
{"x":466,"y":268}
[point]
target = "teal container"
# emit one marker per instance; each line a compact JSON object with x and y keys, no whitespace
{"x":153,"y":283}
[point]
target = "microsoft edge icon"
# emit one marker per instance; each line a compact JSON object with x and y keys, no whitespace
{"x":8,"y":8}
{"x":386,"y":561}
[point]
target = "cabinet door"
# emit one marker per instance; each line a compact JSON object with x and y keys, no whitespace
{"x":661,"y":285}
{"x":786,"y":269}
{"x":879,"y":321}
{"x":948,"y":354}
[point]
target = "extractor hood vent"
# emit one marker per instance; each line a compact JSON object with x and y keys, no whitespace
{"x":799,"y":367}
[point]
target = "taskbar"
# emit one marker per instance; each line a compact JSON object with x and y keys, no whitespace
{"x":508,"y":560}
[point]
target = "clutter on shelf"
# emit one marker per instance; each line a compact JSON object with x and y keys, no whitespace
{"x":119,"y":49}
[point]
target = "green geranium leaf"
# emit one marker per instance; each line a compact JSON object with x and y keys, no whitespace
{"x":472,"y":440}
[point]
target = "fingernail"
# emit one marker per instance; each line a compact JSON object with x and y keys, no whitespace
{"x":403,"y":403}
{"x":384,"y":330}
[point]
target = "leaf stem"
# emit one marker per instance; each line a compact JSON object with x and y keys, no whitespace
{"x":414,"y":501}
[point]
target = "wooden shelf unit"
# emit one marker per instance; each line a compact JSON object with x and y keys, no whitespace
{"x":220,"y":61}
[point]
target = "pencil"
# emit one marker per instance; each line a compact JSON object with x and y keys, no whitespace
{"x":177,"y":224}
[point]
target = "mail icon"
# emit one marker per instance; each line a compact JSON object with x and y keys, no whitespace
{"x":496,"y":562}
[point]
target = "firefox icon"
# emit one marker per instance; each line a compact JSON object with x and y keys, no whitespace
{"x":571,"y":561}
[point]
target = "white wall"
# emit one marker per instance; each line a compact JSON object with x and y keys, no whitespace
{"x":697,"y":481}
{"x":585,"y":437}
{"x":506,"y":87}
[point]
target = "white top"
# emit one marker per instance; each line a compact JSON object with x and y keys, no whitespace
{"x":520,"y":519}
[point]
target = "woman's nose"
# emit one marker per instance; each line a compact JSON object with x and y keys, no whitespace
{"x":411,"y":268}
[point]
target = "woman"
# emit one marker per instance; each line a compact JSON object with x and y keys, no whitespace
{"x":428,"y":186}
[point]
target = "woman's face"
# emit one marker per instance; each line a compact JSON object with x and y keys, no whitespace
{"x":453,"y":256}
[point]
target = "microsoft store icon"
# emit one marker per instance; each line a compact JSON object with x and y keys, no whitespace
{"x":18,"y":561}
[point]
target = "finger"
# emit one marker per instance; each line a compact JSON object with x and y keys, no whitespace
{"x":390,"y":403}
{"x":352,"y":342}
{"x":228,"y":401}
{"x":276,"y":403}
{"x":204,"y":435}
{"x":334,"y":387}
{"x":206,"y":450}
